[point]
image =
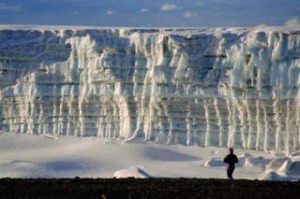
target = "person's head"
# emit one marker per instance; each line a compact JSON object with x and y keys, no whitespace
{"x":230,"y":150}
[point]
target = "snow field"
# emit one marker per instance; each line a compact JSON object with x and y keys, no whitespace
{"x":33,"y":156}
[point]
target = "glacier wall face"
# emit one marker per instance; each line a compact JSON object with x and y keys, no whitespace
{"x":217,"y":87}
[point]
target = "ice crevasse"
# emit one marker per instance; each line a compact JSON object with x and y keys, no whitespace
{"x":207,"y":87}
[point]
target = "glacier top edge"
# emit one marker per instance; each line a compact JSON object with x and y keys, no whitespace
{"x":178,"y":30}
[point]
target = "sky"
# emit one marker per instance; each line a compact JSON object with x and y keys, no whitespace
{"x":150,"y":13}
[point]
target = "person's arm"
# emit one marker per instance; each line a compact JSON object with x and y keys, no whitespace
{"x":226,"y":159}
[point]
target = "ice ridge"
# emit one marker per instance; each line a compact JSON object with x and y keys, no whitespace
{"x":206,"y":87}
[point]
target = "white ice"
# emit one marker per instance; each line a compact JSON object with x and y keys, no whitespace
{"x":37,"y":156}
{"x":206,"y":87}
{"x":90,"y":98}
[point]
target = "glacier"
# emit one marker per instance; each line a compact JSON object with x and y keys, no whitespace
{"x":206,"y":87}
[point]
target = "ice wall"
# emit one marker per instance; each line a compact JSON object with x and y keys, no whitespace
{"x":213,"y":87}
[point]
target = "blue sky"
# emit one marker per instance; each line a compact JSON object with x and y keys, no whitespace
{"x":147,"y":13}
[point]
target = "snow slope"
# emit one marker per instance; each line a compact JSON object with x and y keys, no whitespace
{"x":35,"y":156}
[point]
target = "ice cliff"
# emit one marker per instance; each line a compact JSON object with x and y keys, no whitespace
{"x":207,"y":87}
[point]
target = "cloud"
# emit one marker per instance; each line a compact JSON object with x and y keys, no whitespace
{"x":144,"y":10}
{"x":199,"y":3}
{"x":292,"y":23}
{"x":7,"y":7}
{"x":188,"y":14}
{"x":110,"y":12}
{"x":168,"y":7}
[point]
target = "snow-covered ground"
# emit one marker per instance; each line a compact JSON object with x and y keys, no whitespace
{"x":33,"y":156}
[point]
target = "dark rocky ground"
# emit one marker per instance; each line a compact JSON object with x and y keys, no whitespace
{"x":147,"y":188}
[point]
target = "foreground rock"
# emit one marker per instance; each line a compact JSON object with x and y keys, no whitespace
{"x":146,"y":188}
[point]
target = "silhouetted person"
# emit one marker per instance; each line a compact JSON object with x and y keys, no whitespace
{"x":230,"y":160}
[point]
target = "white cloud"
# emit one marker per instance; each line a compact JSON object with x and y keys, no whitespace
{"x":168,"y":7}
{"x":199,"y":3}
{"x":144,"y":10}
{"x":110,"y":12}
{"x":292,"y":23}
{"x":188,"y":14}
{"x":6,"y":7}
